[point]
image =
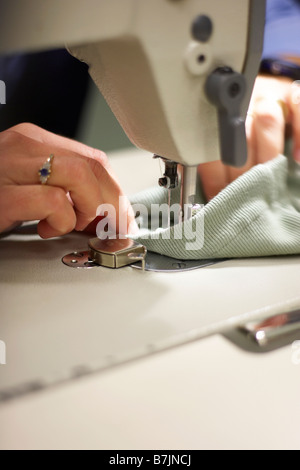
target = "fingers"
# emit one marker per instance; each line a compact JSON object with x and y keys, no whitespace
{"x":294,"y":105}
{"x":269,"y":129}
{"x":69,"y":172}
{"x":81,"y":171}
{"x":275,"y":102}
{"x":214,"y":178}
{"x":88,"y":183}
{"x":55,"y":142}
{"x":112,"y":193}
{"x":75,"y":176}
{"x":45,"y":203}
{"x":270,"y":111}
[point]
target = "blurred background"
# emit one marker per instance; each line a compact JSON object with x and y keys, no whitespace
{"x":53,"y":90}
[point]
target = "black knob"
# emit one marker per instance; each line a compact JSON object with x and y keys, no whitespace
{"x":202,"y":28}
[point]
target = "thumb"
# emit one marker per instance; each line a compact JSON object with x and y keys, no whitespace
{"x":294,"y":104}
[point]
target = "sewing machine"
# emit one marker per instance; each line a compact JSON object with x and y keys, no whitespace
{"x":178,"y":75}
{"x":180,"y":89}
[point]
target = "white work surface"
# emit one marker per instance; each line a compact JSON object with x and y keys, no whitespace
{"x":155,"y":372}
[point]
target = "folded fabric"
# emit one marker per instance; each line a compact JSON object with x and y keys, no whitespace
{"x":258,"y":214}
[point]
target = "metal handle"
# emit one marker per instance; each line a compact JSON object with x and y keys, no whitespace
{"x":267,"y":334}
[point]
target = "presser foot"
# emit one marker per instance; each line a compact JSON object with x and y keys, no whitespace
{"x":110,"y":253}
{"x":117,"y":253}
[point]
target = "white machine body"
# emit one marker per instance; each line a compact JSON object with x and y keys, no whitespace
{"x":146,"y":61}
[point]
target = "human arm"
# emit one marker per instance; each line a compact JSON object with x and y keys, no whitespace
{"x":80,"y":181}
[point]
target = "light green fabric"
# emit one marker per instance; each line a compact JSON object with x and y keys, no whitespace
{"x":256,"y":215}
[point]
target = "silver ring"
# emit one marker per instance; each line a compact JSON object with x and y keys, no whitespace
{"x":45,"y":170}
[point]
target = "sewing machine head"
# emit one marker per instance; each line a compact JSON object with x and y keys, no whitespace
{"x":179,"y":79}
{"x":178,"y":74}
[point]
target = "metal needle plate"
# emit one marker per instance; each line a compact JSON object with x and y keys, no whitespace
{"x":153,"y":262}
{"x":161,"y":263}
{"x":111,"y":253}
{"x":79,"y":259}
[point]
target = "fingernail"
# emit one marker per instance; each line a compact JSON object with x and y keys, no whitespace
{"x":80,"y":227}
{"x":133,"y":228}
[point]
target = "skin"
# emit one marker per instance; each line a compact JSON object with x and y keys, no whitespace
{"x":275,"y":104}
{"x":80,"y":181}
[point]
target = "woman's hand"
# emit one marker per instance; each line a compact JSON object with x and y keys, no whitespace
{"x":80,"y":180}
{"x":275,"y":103}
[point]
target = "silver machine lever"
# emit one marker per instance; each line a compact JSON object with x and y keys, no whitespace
{"x":267,"y":334}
